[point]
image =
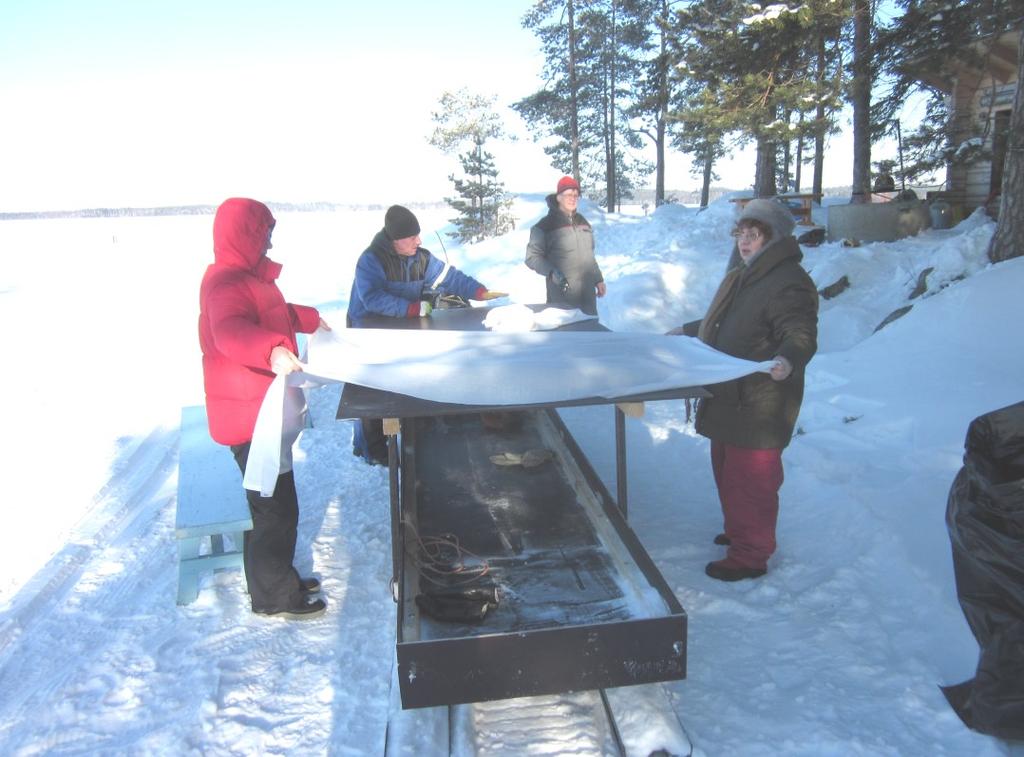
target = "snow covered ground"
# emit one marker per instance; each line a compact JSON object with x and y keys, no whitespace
{"x":839,"y":650}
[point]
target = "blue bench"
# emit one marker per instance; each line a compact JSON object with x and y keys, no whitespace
{"x":211,"y":505}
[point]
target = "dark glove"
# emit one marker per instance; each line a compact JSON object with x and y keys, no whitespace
{"x":691,"y":328}
{"x":465,"y":606}
{"x":559,"y":280}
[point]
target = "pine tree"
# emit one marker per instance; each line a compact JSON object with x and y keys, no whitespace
{"x":699,"y":127}
{"x":695,"y":135}
{"x":553,"y":111}
{"x":746,"y":71}
{"x":485,"y":207}
{"x":614,"y":36}
{"x":593,"y":54}
{"x":654,"y":88}
{"x":828,"y":78}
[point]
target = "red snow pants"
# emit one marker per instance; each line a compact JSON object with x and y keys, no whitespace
{"x":748,"y":482}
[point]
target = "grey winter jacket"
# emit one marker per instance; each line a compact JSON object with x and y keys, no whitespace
{"x":566,"y":245}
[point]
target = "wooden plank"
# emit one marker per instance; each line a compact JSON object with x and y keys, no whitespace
{"x":800,"y":205}
{"x":646,"y":721}
{"x":631,"y":409}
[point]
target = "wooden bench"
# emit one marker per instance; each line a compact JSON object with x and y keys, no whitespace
{"x":211,"y":505}
{"x":800,"y":205}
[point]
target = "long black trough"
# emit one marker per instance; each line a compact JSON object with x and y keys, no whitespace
{"x":580,"y":605}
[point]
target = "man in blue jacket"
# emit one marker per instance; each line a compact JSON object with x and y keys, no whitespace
{"x":396,"y":277}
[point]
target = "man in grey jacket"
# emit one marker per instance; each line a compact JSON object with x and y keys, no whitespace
{"x":561,"y":249}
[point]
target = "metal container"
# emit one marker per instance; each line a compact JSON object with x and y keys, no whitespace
{"x":941,"y":213}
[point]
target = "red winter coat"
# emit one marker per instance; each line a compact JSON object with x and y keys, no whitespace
{"x":242,"y":317}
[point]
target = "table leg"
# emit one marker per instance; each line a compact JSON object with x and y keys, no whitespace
{"x":391,"y":427}
{"x":620,"y":461}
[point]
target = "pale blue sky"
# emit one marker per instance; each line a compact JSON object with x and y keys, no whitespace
{"x":143,"y":103}
{"x":123,"y":102}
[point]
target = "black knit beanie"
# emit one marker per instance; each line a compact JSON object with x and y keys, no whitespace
{"x":400,"y":223}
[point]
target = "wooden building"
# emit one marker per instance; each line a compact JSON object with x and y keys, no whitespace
{"x":981,"y":89}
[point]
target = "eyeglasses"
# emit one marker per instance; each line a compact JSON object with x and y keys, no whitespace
{"x":748,"y":235}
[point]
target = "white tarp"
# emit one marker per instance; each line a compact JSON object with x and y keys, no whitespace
{"x":486,"y":368}
{"x":507,"y":318}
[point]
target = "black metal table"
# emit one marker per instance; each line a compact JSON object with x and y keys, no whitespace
{"x":583,"y":606}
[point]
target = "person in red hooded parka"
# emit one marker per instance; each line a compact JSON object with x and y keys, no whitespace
{"x":247,"y":334}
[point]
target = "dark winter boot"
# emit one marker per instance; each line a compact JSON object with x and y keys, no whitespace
{"x":304,"y":610}
{"x":727,"y":570}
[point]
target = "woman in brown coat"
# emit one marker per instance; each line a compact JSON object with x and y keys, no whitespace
{"x":766,"y":308}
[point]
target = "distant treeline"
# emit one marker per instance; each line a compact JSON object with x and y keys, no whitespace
{"x":684,"y":196}
{"x":184,"y":210}
{"x":692,"y":196}
{"x":181,"y":210}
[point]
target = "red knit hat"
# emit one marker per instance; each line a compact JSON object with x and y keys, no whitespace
{"x":567,"y":182}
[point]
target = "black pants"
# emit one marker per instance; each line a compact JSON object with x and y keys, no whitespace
{"x":269,"y":548}
{"x":376,"y":441}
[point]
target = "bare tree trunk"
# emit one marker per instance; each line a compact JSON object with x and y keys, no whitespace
{"x":662,"y":118}
{"x":818,"y":177}
{"x":610,"y":163}
{"x":799,"y":161}
{"x":480,"y":181}
{"x":787,"y":158}
{"x":705,"y":188}
{"x":574,"y":119}
{"x":800,"y":156}
{"x":609,"y":154}
{"x":820,"y":127}
{"x":860,"y":98}
{"x":659,"y":176}
{"x":1008,"y":241}
{"x":764,"y":176}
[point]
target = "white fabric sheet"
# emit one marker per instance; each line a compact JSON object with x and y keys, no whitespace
{"x":485,"y":368}
{"x":522,"y":318}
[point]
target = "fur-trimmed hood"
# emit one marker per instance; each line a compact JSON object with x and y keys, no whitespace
{"x":772,"y":214}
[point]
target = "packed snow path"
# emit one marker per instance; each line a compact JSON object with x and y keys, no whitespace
{"x":97,"y":642}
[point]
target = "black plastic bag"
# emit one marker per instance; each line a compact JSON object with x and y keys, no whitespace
{"x":985,"y":518}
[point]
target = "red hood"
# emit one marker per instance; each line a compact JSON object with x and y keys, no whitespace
{"x":240,"y":234}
